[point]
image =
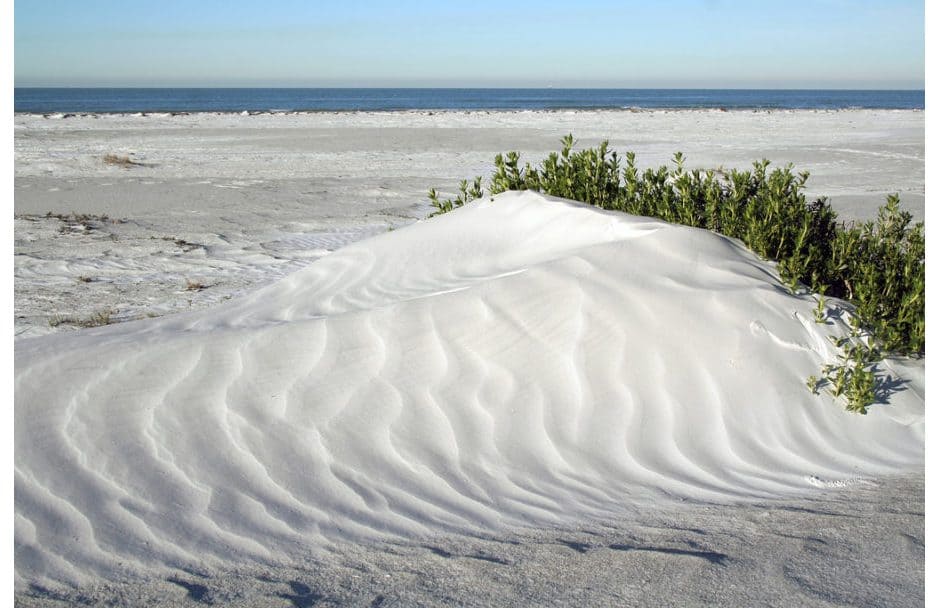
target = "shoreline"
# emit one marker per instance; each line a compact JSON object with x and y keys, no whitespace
{"x":63,"y":114}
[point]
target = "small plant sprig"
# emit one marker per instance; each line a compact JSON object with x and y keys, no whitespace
{"x":467,"y":193}
{"x":854,"y":375}
{"x":821,"y":313}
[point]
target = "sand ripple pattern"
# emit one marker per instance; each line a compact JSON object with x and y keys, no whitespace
{"x":518,"y":361}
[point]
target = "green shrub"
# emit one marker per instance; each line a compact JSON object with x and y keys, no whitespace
{"x":880,"y":268}
{"x":877,"y":266}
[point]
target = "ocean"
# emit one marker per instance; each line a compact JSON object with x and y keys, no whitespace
{"x":119,"y":100}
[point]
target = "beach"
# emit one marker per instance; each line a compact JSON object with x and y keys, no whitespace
{"x":232,"y":201}
{"x":277,"y":383}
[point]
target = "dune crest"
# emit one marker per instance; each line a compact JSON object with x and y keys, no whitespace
{"x":520,"y":360}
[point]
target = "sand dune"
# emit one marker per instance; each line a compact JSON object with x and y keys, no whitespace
{"x":235,"y":202}
{"x":520,"y":361}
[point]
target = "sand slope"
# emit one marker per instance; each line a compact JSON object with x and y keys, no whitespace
{"x":521,"y":360}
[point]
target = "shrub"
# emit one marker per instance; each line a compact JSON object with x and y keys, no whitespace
{"x":877,"y":266}
{"x":880,"y":268}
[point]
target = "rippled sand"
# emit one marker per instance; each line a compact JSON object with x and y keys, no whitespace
{"x":525,"y":401}
{"x":521,"y":361}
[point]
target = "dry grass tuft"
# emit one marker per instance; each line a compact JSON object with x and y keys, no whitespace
{"x":102,"y":317}
{"x":121,"y":161}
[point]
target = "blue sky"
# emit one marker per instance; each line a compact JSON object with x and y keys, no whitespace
{"x":684,"y":43}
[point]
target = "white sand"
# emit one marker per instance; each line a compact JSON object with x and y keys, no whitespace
{"x":526,"y":401}
{"x":252,"y":198}
{"x":519,"y":361}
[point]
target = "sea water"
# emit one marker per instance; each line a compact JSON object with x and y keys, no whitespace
{"x":49,"y":100}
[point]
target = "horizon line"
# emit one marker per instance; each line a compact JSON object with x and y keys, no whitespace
{"x":518,"y":88}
